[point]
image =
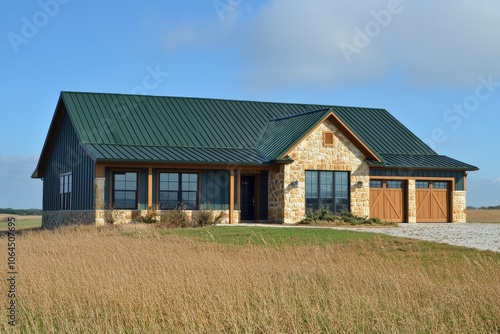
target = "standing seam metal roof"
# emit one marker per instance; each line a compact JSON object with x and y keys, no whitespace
{"x":156,"y":128}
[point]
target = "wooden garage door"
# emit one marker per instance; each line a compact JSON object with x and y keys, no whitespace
{"x":433,"y":199}
{"x":386,"y":200}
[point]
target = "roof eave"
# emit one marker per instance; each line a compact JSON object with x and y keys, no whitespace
{"x":470,"y":169}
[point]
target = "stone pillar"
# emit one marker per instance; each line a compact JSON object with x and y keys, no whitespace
{"x":412,"y":202}
{"x":459,"y":207}
{"x":276,"y":189}
{"x":360,"y":197}
{"x":100,"y":203}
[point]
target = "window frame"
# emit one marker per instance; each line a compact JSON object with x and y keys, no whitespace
{"x":180,"y":191}
{"x":114,"y":190}
{"x":65,"y":193}
{"x":331,"y":193}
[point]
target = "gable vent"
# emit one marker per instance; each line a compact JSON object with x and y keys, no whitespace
{"x":328,"y":138}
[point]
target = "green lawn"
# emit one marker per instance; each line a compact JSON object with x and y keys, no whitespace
{"x":244,"y":235}
{"x":21,"y":224}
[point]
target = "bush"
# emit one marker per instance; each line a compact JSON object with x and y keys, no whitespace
{"x":174,"y":218}
{"x":151,"y":217}
{"x":344,"y":217}
{"x":207,"y":217}
{"x":110,"y":215}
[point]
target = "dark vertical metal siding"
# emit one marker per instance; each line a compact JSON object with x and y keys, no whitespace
{"x":69,"y":156}
{"x":458,"y":176}
{"x":263,"y":194}
{"x":215,"y":189}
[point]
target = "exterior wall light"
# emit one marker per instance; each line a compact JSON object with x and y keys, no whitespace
{"x":359,"y":184}
{"x":295,"y":183}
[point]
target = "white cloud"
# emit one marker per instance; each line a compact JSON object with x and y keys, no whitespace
{"x":298,"y":42}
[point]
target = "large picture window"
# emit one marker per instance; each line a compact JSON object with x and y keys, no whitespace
{"x":328,"y":190}
{"x":125,"y":190}
{"x":65,"y":185}
{"x":178,"y":189}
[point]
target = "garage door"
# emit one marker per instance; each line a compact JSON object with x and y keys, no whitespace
{"x":386,"y":200}
{"x":433,"y":198}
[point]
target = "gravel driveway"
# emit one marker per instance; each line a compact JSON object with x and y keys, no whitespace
{"x":480,"y":236}
{"x":474,"y":235}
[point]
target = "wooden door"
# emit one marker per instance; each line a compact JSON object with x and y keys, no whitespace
{"x":433,"y":199}
{"x":387,"y":200}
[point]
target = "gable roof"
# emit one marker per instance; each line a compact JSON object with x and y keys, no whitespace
{"x":196,"y":130}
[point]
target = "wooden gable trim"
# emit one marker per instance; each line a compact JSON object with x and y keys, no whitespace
{"x":342,"y":128}
{"x":55,"y":124}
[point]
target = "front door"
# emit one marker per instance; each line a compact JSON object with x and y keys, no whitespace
{"x":247,"y":198}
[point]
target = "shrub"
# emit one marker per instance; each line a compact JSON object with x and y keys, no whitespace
{"x":344,"y":217}
{"x":151,"y":217}
{"x":207,"y":217}
{"x":110,"y":214}
{"x":174,"y":218}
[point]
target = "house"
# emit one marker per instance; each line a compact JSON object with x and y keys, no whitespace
{"x":257,"y":161}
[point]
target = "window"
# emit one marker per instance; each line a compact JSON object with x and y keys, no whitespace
{"x":394,"y":184}
{"x":327,"y":138}
{"x":422,"y":184}
{"x":440,"y":185}
{"x":65,"y":185}
{"x":125,"y":190}
{"x":327,"y":189}
{"x":375,"y":183}
{"x":178,"y":189}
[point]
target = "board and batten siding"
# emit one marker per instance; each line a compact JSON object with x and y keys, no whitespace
{"x":68,"y":155}
{"x":457,"y":175}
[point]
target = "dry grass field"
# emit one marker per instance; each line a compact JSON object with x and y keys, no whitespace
{"x":483,"y":216}
{"x":3,"y":217}
{"x":139,"y":279}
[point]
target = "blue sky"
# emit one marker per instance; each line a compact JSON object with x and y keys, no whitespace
{"x":434,"y":65}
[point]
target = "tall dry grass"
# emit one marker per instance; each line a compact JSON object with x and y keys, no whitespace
{"x":483,"y":216}
{"x":88,"y":280}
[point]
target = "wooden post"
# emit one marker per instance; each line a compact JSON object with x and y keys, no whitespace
{"x":150,"y":188}
{"x":231,"y":196}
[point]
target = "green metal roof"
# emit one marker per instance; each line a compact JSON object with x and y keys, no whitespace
{"x":197,"y":130}
{"x":176,"y":154}
{"x":281,"y":133}
{"x":432,"y":161}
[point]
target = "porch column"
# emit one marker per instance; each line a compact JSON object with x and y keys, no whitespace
{"x":150,"y":188}
{"x":231,"y":196}
{"x":99,"y":194}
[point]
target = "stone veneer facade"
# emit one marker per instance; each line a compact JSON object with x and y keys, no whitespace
{"x":287,"y":201}
{"x":459,"y":207}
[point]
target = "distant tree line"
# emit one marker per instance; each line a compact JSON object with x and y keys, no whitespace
{"x":497,"y":207}
{"x":21,"y":212}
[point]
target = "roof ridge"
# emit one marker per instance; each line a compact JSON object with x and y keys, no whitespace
{"x":301,"y":114}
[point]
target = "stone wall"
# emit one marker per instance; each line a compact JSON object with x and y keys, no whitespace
{"x":288,"y":200}
{"x":412,"y":201}
{"x":276,"y":196}
{"x":51,"y":219}
{"x":459,"y":207}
